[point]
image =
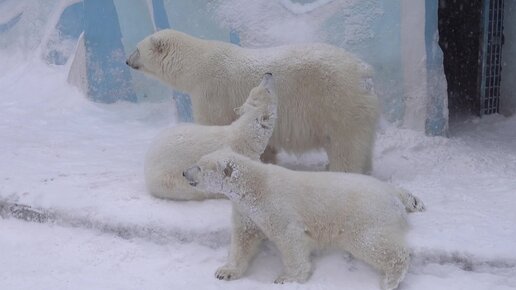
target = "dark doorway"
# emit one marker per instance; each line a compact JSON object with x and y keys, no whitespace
{"x":460,"y":38}
{"x":491,"y":56}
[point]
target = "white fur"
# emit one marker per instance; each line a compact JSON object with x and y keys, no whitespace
{"x":177,"y":148}
{"x":303,"y":211}
{"x":325,"y":96}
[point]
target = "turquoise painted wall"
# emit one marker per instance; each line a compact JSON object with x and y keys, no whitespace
{"x":437,"y":108}
{"x":381,"y":49}
{"x":112,"y":29}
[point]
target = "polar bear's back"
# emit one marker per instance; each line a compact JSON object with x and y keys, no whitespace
{"x":173,"y":151}
{"x":318,"y":87}
{"x":186,"y":138}
{"x":334,"y":202}
{"x":299,"y":56}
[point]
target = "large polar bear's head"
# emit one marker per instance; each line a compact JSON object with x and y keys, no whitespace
{"x":222,"y":171}
{"x":162,"y":55}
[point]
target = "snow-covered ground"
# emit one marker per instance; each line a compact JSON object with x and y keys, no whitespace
{"x":75,"y":214}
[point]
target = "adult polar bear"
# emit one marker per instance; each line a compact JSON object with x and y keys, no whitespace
{"x":325,"y":99}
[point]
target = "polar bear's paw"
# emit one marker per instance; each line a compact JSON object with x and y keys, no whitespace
{"x":284,"y":278}
{"x":391,"y":282}
{"x":411,"y":202}
{"x":228,"y":273}
{"x":415,"y":204}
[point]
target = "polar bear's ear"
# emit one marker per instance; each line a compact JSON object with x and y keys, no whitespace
{"x":238,"y":111}
{"x":228,"y":170}
{"x":158,"y":45}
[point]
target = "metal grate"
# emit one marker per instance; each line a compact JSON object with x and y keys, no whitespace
{"x":491,"y":56}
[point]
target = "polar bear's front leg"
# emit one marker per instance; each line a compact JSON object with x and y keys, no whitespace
{"x":295,"y":253}
{"x":245,"y":240}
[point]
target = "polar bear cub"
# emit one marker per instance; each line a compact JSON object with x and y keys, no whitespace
{"x":303,"y":211}
{"x":177,"y":148}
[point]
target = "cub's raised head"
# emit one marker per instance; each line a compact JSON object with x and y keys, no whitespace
{"x":220,"y":171}
{"x":262,"y":97}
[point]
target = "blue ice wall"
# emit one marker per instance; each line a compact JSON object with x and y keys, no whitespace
{"x":24,"y":24}
{"x":112,"y":30}
{"x":379,"y":46}
{"x":69,"y":28}
{"x":136,"y":22}
{"x":437,"y":106}
{"x":195,"y":18}
{"x":97,"y":35}
{"x":4,"y":27}
{"x":160,"y":15}
{"x":109,"y":79}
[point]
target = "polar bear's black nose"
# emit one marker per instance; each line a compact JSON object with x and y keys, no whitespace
{"x":189,"y":173}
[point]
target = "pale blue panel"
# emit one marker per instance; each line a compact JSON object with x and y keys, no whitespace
{"x":71,"y":22}
{"x":184,"y":106}
{"x":377,"y":40}
{"x":11,"y":23}
{"x":135,"y":22}
{"x":160,"y":15}
{"x":196,"y":18}
{"x":437,"y":109}
{"x":234,"y":37}
{"x":69,"y":27}
{"x":109,"y":79}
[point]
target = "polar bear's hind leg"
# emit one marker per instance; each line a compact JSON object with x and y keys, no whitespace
{"x":384,"y":250}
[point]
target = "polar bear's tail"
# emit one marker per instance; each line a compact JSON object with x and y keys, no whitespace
{"x":411,"y":202}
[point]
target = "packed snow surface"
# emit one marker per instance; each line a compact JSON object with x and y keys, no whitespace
{"x":75,"y":214}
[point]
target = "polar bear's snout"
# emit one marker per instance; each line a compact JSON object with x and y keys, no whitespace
{"x":191,"y":174}
{"x":133,"y":59}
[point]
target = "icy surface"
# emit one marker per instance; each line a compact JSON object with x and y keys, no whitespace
{"x":78,"y":165}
